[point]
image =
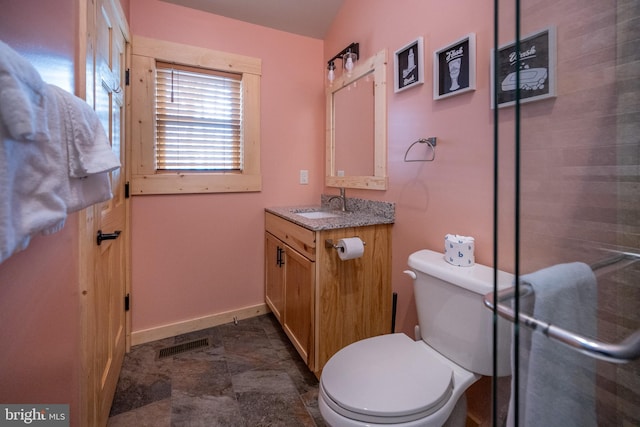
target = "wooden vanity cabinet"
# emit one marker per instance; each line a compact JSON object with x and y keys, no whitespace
{"x":322,"y":302}
{"x":290,"y":281}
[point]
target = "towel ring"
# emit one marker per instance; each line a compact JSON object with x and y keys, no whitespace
{"x":431,"y":142}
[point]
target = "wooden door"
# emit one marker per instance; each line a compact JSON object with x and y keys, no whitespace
{"x":107,"y":318}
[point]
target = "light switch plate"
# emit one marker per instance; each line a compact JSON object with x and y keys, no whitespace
{"x":304,"y":177}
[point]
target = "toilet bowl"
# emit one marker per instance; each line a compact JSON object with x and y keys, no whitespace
{"x":392,"y":380}
{"x":413,"y":384}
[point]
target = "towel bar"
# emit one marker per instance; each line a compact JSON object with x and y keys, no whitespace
{"x":625,"y":351}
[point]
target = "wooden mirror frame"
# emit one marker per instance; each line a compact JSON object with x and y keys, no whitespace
{"x":377,"y":67}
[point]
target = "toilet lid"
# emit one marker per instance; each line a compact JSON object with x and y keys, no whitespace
{"x":388,"y":377}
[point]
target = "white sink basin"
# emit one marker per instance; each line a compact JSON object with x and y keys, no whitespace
{"x":317,"y":214}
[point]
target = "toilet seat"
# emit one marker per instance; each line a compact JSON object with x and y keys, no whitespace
{"x":386,"y":379}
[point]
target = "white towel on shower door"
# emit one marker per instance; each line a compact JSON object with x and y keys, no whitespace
{"x":559,"y":382}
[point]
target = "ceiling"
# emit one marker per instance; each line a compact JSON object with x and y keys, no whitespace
{"x":310,"y":18}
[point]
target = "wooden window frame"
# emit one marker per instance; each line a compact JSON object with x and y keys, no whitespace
{"x":145,"y":179}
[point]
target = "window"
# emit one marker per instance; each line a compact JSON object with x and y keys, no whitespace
{"x":195,"y":120}
{"x":198,"y":119}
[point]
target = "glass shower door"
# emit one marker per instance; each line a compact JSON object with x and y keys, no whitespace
{"x":568,"y":206}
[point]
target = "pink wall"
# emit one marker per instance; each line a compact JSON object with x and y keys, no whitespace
{"x":454,"y":193}
{"x":39,"y":310}
{"x":125,"y":8}
{"x":198,"y":255}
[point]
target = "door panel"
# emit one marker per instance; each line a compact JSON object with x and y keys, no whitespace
{"x":576,"y":192}
{"x":298,"y":304}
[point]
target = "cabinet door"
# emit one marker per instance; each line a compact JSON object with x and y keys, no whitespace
{"x":274,"y":275}
{"x":298,"y":306}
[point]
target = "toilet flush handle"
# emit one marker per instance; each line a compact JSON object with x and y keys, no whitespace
{"x":411,"y":273}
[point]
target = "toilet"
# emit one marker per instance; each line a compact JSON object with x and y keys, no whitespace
{"x":393,"y":380}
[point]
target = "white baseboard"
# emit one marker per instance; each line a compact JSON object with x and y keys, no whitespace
{"x":173,"y":329}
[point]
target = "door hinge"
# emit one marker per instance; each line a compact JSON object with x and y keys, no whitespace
{"x":126,"y":190}
{"x":126,"y":77}
{"x":126,"y":302}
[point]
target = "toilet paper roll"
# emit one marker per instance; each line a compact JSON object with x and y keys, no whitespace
{"x":350,"y":248}
{"x":459,"y":250}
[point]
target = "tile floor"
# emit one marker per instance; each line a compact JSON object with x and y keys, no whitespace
{"x":250,"y":375}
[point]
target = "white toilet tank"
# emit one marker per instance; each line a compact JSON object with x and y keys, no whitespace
{"x":453,"y":319}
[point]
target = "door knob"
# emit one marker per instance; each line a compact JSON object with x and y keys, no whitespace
{"x":106,"y":236}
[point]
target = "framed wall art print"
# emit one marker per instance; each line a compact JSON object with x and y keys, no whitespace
{"x":408,"y":65}
{"x":454,"y":68}
{"x":533,"y":66}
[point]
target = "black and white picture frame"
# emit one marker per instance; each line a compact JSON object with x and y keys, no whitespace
{"x":537,"y":64}
{"x":408,"y":65}
{"x":454,"y":68}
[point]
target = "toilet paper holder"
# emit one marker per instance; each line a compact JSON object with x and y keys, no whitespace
{"x":328,"y":243}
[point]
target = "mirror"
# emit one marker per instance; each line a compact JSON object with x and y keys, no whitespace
{"x":357,"y":127}
{"x":353,"y":131}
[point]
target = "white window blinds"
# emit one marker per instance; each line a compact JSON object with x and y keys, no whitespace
{"x":198,"y":119}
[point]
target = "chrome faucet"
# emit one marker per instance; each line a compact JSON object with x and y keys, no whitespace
{"x":342,"y":198}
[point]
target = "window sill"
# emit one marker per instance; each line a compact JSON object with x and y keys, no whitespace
{"x":185,"y":183}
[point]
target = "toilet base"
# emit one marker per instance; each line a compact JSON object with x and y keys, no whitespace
{"x":458,"y":417}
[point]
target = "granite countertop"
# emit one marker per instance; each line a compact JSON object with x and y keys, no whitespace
{"x":360,"y":212}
